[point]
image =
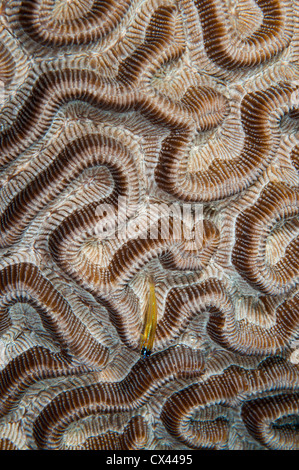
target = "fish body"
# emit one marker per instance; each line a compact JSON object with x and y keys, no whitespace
{"x":150,"y":322}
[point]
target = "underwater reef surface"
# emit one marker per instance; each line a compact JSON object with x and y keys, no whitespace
{"x":149,"y":245}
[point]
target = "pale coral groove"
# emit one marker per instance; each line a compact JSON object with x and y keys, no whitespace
{"x":7,"y":64}
{"x":81,"y":153}
{"x":260,"y":112}
{"x":261,"y":417}
{"x":134,"y":437}
{"x":228,"y":50}
{"x":124,"y":259}
{"x":277,"y":204}
{"x":224,"y":389}
{"x":241,"y":336}
{"x":6,"y":444}
{"x":131,"y":393}
{"x":54,"y":88}
{"x":149,"y":174}
{"x":29,"y":367}
{"x":76,"y":23}
{"x":24,"y":282}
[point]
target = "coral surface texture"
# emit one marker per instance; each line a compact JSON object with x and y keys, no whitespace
{"x":149,"y":217}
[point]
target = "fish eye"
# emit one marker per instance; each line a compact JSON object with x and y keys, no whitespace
{"x":145,"y":352}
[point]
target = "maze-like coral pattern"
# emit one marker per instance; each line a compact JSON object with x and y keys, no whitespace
{"x":186,"y":104}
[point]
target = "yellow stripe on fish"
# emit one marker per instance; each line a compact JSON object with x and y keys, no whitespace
{"x":150,"y":322}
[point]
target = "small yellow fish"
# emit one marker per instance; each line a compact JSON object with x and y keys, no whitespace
{"x":150,"y":322}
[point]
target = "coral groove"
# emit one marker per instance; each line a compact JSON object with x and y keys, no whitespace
{"x":149,"y":229}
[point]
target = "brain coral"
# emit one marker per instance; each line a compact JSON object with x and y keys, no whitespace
{"x":149,"y":202}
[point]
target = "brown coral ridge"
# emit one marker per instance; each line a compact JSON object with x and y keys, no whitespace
{"x":272,"y":420}
{"x":33,"y":365}
{"x":7,"y":444}
{"x":130,"y":394}
{"x":183,"y":103}
{"x":213,"y":299}
{"x":277,"y":203}
{"x":54,"y":88}
{"x":80,"y":25}
{"x":124,"y":260}
{"x":236,"y":384}
{"x":81,"y":153}
{"x":223,"y":45}
{"x":7,"y":64}
{"x":240,"y":336}
{"x":260,"y":112}
{"x":295,"y":157}
{"x":23,"y":282}
{"x":133,"y":437}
